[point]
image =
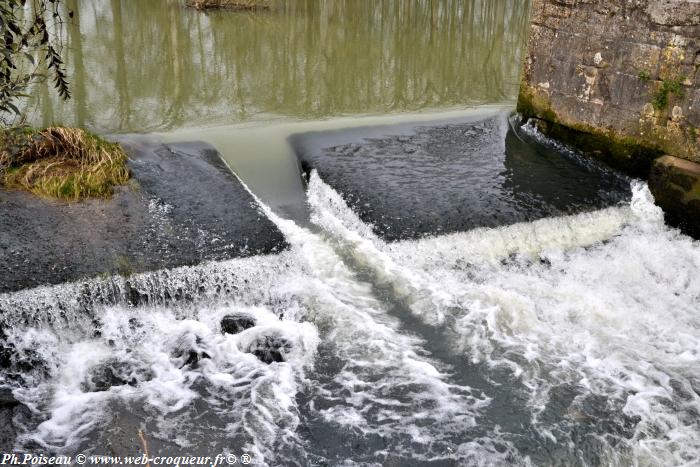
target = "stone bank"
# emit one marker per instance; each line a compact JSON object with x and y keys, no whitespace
{"x":621,"y":81}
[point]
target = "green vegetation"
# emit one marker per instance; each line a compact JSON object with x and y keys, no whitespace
{"x":532,"y":104}
{"x":29,"y":49}
{"x":64,"y":163}
{"x":229,"y":4}
{"x":644,"y":75}
{"x":668,"y":86}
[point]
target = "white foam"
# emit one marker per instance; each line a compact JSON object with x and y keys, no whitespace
{"x":602,"y":302}
{"x":605,"y":302}
{"x":386,"y":382}
{"x":256,"y":400}
{"x":386,"y":379}
{"x":250,"y":281}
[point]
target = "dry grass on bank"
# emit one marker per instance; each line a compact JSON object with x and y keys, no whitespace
{"x":229,"y":4}
{"x":64,"y":163}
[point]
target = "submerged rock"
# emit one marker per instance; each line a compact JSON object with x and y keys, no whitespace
{"x":18,"y":362}
{"x":5,"y":355}
{"x":7,"y":398}
{"x":10,"y":411}
{"x":114,"y":373}
{"x":193,"y":357}
{"x":236,"y":322}
{"x":189,"y":350}
{"x":270,"y":349}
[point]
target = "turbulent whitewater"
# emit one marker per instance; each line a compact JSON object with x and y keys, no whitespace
{"x":566,"y":340}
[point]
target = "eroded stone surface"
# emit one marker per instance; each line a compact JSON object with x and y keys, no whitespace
{"x":183,"y":206}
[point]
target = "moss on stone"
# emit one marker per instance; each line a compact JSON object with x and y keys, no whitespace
{"x":644,"y":75}
{"x":625,"y":153}
{"x":668,"y":86}
{"x":532,"y":104}
{"x":629,"y":154}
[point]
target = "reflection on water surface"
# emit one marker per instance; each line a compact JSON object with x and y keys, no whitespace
{"x":145,"y":65}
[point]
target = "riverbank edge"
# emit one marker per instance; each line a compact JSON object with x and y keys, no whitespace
{"x":62,"y":163}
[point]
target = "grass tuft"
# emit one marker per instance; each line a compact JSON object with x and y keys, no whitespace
{"x":64,"y":163}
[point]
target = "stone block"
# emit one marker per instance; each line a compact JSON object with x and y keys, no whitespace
{"x":630,"y":92}
{"x":694,"y":109}
{"x":674,"y":12}
{"x":675,"y":184}
{"x":633,"y":58}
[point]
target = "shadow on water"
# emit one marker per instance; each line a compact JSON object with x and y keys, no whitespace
{"x":538,"y":171}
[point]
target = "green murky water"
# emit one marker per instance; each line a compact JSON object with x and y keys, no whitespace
{"x":139,"y":66}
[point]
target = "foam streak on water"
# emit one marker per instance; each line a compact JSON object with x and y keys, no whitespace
{"x":379,"y":388}
{"x":596,"y":315}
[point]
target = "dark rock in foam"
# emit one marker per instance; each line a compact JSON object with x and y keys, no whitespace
{"x":115,"y":373}
{"x":270,"y":349}
{"x":190,"y":350}
{"x":19,"y":363}
{"x":10,"y":412}
{"x":183,"y":206}
{"x":428,"y":179}
{"x":675,"y":184}
{"x":7,"y":398}
{"x":236,"y":322}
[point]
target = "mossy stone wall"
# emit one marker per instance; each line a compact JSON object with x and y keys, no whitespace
{"x":620,"y":78}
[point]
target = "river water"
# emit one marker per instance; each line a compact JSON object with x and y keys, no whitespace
{"x":569,"y":336}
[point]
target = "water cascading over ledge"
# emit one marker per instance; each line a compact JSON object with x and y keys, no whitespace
{"x":181,"y":286}
{"x":620,"y":80}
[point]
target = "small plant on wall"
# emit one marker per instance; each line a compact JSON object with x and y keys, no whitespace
{"x":668,"y":87}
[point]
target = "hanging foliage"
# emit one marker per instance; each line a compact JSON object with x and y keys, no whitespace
{"x":29,"y":49}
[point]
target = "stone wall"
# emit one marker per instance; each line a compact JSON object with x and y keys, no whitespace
{"x":620,"y":79}
{"x":627,"y":67}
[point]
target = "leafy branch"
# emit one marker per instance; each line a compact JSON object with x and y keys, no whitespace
{"x":29,"y":31}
